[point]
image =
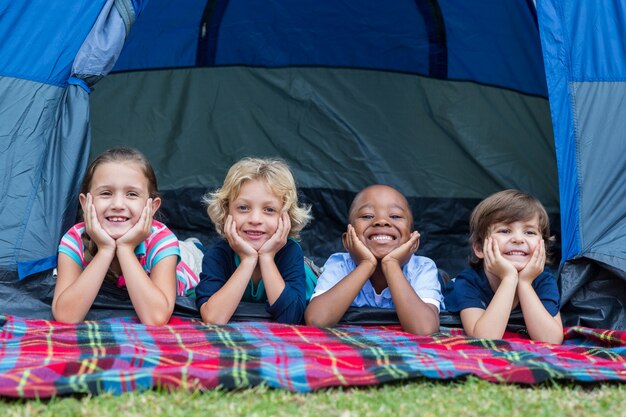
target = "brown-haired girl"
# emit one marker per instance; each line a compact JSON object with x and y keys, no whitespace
{"x":119,"y":240}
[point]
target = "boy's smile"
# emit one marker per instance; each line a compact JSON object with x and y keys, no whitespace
{"x":381,"y":219}
{"x":517,"y":241}
{"x":255,"y":211}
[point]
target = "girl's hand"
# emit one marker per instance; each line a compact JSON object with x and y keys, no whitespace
{"x":94,"y":229}
{"x":279,"y":239}
{"x":240,"y":246}
{"x":402,"y":254}
{"x":357,"y":249}
{"x":495,"y":263}
{"x":535,"y":265}
{"x":140,"y":231}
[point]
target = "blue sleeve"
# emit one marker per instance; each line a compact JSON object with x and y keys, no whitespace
{"x":422,"y":274}
{"x":548,"y":291}
{"x":466,"y":291}
{"x":333,"y":271}
{"x":290,"y":305}
{"x":217,"y":267}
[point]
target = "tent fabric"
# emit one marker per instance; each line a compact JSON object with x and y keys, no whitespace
{"x":45,"y":117}
{"x":586,"y":76}
{"x":37,"y":157}
{"x":104,"y":43}
{"x":328,"y":124}
{"x":494,"y":43}
{"x":41,"y":358}
{"x":447,"y":101}
{"x":53,"y":31}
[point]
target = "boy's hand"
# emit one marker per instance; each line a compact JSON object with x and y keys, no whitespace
{"x":357,"y":249}
{"x":403,"y":253}
{"x":279,"y":238}
{"x":495,"y":264}
{"x":240,"y":246}
{"x":535,"y":265}
{"x":140,"y":231}
{"x":94,"y":229}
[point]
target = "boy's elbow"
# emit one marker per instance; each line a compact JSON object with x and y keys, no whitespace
{"x":209,"y":317}
{"x":317,"y":318}
{"x":555,"y":339}
{"x":422,"y":330}
{"x":314,"y":321}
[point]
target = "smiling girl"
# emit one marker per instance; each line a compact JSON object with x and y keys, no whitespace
{"x":257,"y":212}
{"x":120,"y":241}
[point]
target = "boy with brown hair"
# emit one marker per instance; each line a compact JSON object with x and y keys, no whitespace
{"x":508,"y":235}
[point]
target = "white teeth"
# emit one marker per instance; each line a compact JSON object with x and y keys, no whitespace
{"x":381,"y":237}
{"x":516,"y":252}
{"x":117,"y":219}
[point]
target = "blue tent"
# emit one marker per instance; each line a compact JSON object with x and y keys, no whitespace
{"x":446,"y":101}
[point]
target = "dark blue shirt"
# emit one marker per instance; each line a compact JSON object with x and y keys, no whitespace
{"x":219,"y":264}
{"x":471,"y":289}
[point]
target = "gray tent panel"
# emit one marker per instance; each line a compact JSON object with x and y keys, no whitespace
{"x":38,"y":155}
{"x":432,"y":138}
{"x":602,"y":165}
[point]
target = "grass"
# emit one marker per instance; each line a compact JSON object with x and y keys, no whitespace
{"x":467,"y":398}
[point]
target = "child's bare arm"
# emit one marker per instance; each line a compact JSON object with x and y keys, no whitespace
{"x":221,"y":306}
{"x":272,"y":278}
{"x":328,"y":308}
{"x":76,"y":288}
{"x":491,"y":323}
{"x":153,"y":296}
{"x":541,"y":325}
{"x":415,"y":315}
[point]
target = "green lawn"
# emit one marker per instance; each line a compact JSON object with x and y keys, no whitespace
{"x":471,"y":397}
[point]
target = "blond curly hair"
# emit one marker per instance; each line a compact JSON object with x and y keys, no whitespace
{"x":275,"y":173}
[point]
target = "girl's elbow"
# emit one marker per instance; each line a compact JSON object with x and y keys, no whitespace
{"x":156,"y":317}
{"x":157,"y":320}
{"x":65,"y":317}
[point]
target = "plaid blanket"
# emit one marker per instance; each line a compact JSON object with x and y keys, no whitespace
{"x":40,"y":358}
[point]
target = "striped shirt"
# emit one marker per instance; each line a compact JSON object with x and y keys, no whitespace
{"x":160,"y":244}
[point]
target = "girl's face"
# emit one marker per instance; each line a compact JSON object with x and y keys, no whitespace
{"x":256,"y":211}
{"x":120,"y":193}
